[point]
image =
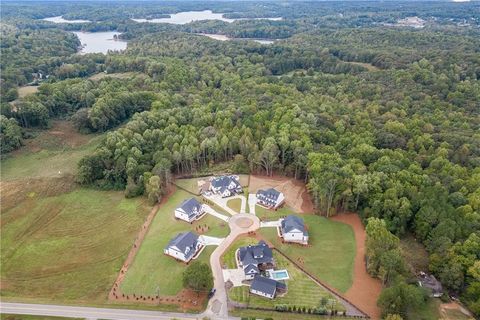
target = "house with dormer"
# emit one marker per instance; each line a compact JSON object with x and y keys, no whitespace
{"x":226,"y":186}
{"x":189,"y":210}
{"x":183,"y":247}
{"x":270,"y":198}
{"x":255,"y":258}
{"x":292,"y":229}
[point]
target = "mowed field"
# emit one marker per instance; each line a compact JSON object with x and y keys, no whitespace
{"x":152,"y":271}
{"x":67,"y":247}
{"x":61,"y":243}
{"x":330,"y":253}
{"x":51,"y":154}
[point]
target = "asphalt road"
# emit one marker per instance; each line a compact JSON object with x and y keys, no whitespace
{"x":94,"y":313}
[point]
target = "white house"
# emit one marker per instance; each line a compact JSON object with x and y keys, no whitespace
{"x":293,"y":230}
{"x":226,"y":186}
{"x":183,"y":247}
{"x":190,"y":210}
{"x":270,"y":198}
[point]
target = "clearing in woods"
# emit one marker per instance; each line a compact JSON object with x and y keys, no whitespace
{"x":52,"y":153}
{"x":295,"y":192}
{"x":154,"y":273}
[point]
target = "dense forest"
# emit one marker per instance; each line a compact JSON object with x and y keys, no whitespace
{"x":383,"y":121}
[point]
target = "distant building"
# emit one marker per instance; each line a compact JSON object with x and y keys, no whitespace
{"x":183,"y":247}
{"x":270,"y":198}
{"x":293,"y":229}
{"x":431,"y":284}
{"x":266,"y":287}
{"x":189,"y":210}
{"x":255,"y":258}
{"x":226,"y":186}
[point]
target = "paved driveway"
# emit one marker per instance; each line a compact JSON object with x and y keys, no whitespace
{"x":271,"y":224}
{"x":214,"y":213}
{"x":210,"y":241}
{"x":236,"y":276}
{"x":222,"y":203}
{"x":252,"y":202}
{"x":217,"y":306}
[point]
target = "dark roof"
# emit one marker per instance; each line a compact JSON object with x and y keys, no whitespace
{"x":265,"y":285}
{"x":270,"y":194}
{"x":189,"y":204}
{"x":256,"y":254}
{"x":184,"y":240}
{"x":224,"y":182}
{"x":293,"y":222}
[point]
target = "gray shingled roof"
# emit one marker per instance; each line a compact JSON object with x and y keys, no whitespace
{"x":257,"y":254}
{"x":184,"y":240}
{"x":189,"y":204}
{"x":293,"y":223}
{"x":269,"y":194}
{"x":265,"y":285}
{"x":223,"y":182}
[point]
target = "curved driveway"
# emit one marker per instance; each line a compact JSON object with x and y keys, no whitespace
{"x":218,"y":305}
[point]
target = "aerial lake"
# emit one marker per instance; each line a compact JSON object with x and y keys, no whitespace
{"x":100,"y":42}
{"x":59,"y":19}
{"x":190,"y":16}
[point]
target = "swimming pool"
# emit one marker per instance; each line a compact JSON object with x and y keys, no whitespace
{"x":278,"y":274}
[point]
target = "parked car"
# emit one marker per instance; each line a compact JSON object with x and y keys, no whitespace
{"x":211,"y":293}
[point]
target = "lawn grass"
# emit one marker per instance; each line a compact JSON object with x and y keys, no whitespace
{"x":152,"y":269}
{"x":31,"y":317}
{"x":235,"y":204}
{"x":258,"y":314}
{"x":68,"y":247}
{"x":265,"y":214}
{"x":330,"y":254}
{"x":302,"y":291}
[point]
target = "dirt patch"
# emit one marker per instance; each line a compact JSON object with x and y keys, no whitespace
{"x":365,"y":290}
{"x":26,"y":90}
{"x":454,"y":311}
{"x":295,"y":191}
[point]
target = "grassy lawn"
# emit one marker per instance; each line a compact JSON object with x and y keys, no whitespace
{"x":151,"y":268}
{"x":234,"y":204}
{"x":302,"y":291}
{"x":68,"y":247}
{"x":330,"y":254}
{"x":257,"y":314}
{"x":50,"y":154}
{"x":266,"y":214}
